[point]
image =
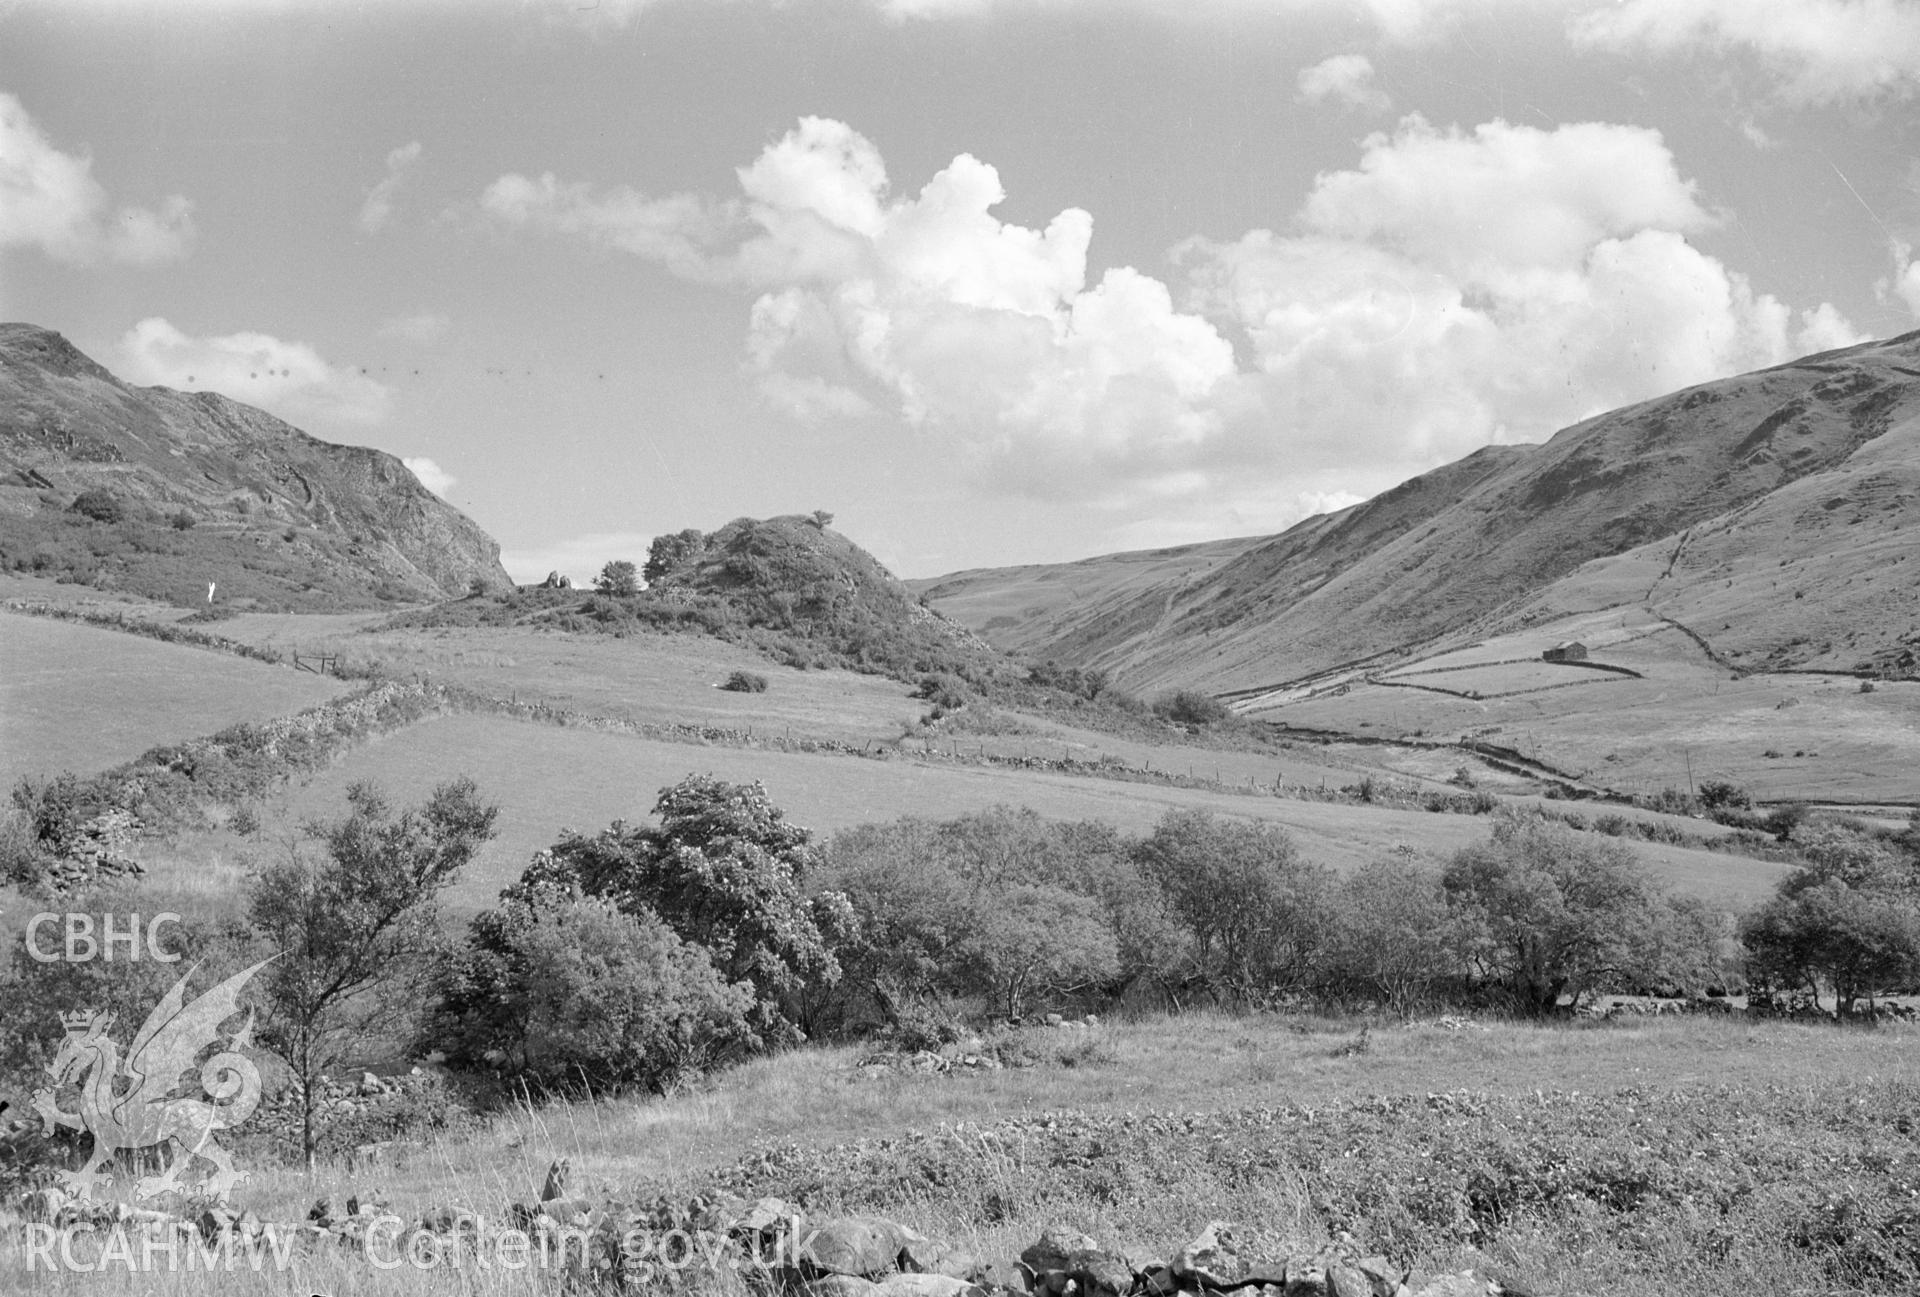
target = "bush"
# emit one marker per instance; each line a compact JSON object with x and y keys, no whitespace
{"x":725,"y":871}
{"x":566,"y":992}
{"x":1552,"y":912}
{"x":1395,"y":939}
{"x":745,"y":682}
{"x":182,"y":520}
{"x":945,"y":691}
{"x":1716,"y":794}
{"x":1191,"y":707}
{"x":98,"y":504}
{"x":1256,"y":913}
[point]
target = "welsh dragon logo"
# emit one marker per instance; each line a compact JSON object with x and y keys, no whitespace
{"x":131,"y":1103}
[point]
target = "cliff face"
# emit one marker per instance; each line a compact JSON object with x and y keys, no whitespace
{"x":184,"y":489}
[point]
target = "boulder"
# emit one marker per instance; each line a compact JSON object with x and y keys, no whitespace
{"x":855,"y":1245}
{"x":1211,"y":1259}
{"x":1055,"y":1247}
{"x":1101,"y":1273}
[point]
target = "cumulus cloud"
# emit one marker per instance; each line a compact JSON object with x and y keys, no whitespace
{"x":1822,"y":50}
{"x":1904,"y":284}
{"x":49,"y":200}
{"x":1452,"y":288}
{"x":1461,"y":287}
{"x":1345,"y":79}
{"x":431,"y":475}
{"x":422,"y":329}
{"x":285,"y":378}
{"x":377,"y":209}
{"x":925,"y":305}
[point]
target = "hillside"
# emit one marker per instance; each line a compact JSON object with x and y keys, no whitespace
{"x":191,"y":488}
{"x":1028,"y":609}
{"x":1779,"y":499}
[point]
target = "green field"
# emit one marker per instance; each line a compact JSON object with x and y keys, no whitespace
{"x":75,"y":697}
{"x":1781,"y":736}
{"x":548,"y":778}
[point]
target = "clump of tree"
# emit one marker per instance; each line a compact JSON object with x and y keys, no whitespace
{"x":1256,"y":913}
{"x":709,"y":908}
{"x":745,"y":682}
{"x":1846,"y":923}
{"x":1550,"y":913}
{"x":1081,"y":682}
{"x":668,"y":554}
{"x":1000,"y":909}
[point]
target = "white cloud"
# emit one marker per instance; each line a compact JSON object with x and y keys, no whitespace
{"x":674,"y":231}
{"x":1344,"y":78}
{"x":1451,"y":289}
{"x":285,"y":378}
{"x":1406,"y":21}
{"x":431,"y":475}
{"x":377,"y":210}
{"x":927,"y":305}
{"x":1458,"y":288}
{"x":49,"y":200}
{"x":423,"y":328}
{"x":1904,"y":284}
{"x":1823,"y":50}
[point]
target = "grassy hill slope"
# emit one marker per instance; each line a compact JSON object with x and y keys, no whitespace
{"x":1748,"y":463}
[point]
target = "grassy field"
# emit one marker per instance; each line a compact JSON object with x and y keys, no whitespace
{"x":649,"y":678}
{"x":548,"y":778}
{"x":1195,"y":1079}
{"x":79,"y":698}
{"x":1781,"y":736}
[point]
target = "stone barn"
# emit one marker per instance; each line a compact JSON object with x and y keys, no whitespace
{"x":1566,"y":651}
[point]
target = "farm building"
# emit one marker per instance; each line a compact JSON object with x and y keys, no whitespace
{"x":1566,"y":651}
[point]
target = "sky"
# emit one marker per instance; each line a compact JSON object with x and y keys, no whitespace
{"x":992,"y":281}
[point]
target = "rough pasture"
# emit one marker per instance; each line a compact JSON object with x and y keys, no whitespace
{"x":549,"y":778}
{"x":75,"y":697}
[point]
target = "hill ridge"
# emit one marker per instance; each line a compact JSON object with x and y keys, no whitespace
{"x":188,"y":489}
{"x":1489,"y":536}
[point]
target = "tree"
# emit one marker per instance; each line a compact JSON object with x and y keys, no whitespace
{"x":356,"y":923}
{"x":1550,"y":912}
{"x":820,"y":518}
{"x":723,"y":869}
{"x":667,"y":553}
{"x":619,"y":577}
{"x":1036,"y":938}
{"x":1255,"y":912}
